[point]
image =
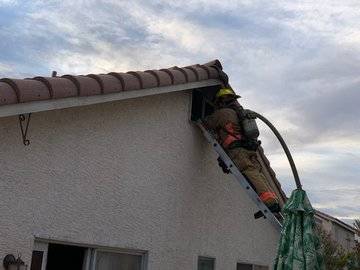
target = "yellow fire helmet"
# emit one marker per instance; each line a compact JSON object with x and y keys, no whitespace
{"x":226,"y":91}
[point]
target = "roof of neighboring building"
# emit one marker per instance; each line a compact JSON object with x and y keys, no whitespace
{"x":335,"y":220}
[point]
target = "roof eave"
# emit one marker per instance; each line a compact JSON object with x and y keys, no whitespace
{"x":335,"y":220}
{"x":55,"y":104}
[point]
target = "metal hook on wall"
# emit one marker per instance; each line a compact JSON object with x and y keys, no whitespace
{"x":22,"y":119}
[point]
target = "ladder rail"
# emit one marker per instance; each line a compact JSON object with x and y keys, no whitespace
{"x":239,"y":176}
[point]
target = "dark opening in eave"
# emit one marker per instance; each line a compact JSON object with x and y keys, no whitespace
{"x":202,"y":102}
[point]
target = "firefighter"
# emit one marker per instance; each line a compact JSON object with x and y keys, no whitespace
{"x":228,"y":123}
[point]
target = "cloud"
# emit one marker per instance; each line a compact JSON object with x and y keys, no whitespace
{"x":56,"y":31}
{"x":8,"y":2}
{"x":5,"y":68}
{"x":342,"y":204}
{"x":330,"y":177}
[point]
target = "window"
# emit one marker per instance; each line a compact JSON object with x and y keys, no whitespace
{"x":205,"y":263}
{"x":65,"y":257}
{"x":51,"y":256}
{"x":116,"y":261}
{"x":246,"y":266}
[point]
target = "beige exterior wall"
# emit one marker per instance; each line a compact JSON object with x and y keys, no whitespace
{"x":130,"y":174}
{"x":343,"y":236}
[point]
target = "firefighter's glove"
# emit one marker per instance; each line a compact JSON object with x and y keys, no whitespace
{"x":223,"y":165}
{"x":275,"y":208}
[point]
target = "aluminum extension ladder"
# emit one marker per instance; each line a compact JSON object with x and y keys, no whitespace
{"x":239,"y":177}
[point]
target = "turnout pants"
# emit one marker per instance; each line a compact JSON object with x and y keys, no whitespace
{"x":248,"y":163}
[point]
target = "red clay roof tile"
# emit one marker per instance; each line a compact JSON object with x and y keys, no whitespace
{"x":86,"y":86}
{"x":215,"y":63}
{"x":14,"y":91}
{"x":129,"y":81}
{"x":28,"y":90}
{"x":179,"y":76}
{"x":213,"y":73}
{"x":162,"y":78}
{"x":147,"y":80}
{"x":109,"y":83}
{"x":200,"y":73}
{"x":191,"y":74}
{"x":59,"y":87}
{"x":7,"y":94}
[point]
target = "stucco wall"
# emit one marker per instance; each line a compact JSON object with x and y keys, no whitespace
{"x":344,"y":237}
{"x":129,"y":174}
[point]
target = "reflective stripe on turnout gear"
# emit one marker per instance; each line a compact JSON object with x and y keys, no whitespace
{"x":231,"y":137}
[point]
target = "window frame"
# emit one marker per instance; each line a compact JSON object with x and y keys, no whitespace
{"x":144,"y":255}
{"x":43,"y":247}
{"x":206,"y":258}
{"x":253,"y":265}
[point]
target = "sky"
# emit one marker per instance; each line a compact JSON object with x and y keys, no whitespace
{"x":295,"y":62}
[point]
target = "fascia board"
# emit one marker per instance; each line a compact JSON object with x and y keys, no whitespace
{"x":55,"y":104}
